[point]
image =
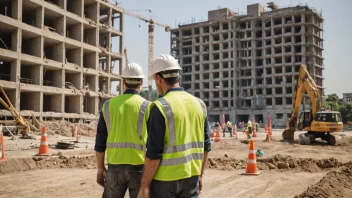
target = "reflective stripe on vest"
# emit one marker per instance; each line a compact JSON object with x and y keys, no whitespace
{"x":124,"y":145}
{"x":172,"y":133}
{"x":181,"y":160}
{"x":106,"y":114}
{"x":141,"y":114}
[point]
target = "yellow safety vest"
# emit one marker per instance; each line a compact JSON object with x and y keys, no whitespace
{"x":184,"y":136}
{"x":125,"y":117}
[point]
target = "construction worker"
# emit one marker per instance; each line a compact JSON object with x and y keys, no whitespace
{"x":178,"y":137}
{"x":122,"y":134}
{"x":229,"y":127}
{"x":249,"y":126}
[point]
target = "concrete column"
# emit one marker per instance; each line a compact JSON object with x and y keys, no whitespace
{"x":110,"y":17}
{"x":16,"y":40}
{"x":17,"y":9}
{"x":41,"y":103}
{"x":39,"y":17}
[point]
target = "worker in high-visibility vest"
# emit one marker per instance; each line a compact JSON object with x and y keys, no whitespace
{"x":249,"y":126}
{"x":178,"y":137}
{"x":122,"y":133}
{"x":229,"y":127}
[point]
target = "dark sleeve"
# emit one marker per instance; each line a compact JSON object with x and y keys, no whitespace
{"x":207,"y":143}
{"x":102,"y":135}
{"x":156,"y":133}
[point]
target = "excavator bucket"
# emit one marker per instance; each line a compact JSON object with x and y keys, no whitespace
{"x":288,"y":134}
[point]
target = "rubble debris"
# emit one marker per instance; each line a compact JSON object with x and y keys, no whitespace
{"x":65,"y":145}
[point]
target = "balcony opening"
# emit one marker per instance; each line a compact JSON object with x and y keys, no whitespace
{"x":278,"y":50}
{"x":278,"y":41}
{"x":267,"y":33}
{"x":259,"y":62}
{"x":288,"y":20}
{"x":30,"y":74}
{"x":268,"y":42}
{"x":288,"y":79}
{"x":187,"y":78}
{"x":288,"y":49}
{"x":186,"y":86}
{"x":279,"y":115}
{"x":225,"y":26}
{"x":225,"y":84}
{"x":268,"y":61}
{"x":72,"y":104}
{"x":298,"y":49}
{"x":53,"y":22}
{"x":288,"y":90}
{"x":268,"y":71}
{"x":259,"y":72}
{"x":206,"y":30}
{"x":73,"y":30}
{"x":288,"y":101}
{"x":196,"y":86}
{"x":197,"y":77}
{"x":225,"y":55}
{"x":298,"y":29}
{"x":31,"y":44}
{"x":8,"y":36}
{"x":52,"y":78}
{"x":216,"y":56}
{"x":72,"y":80}
{"x":89,"y":59}
{"x":298,"y":39}
{"x":269,"y":101}
{"x":74,"y":56}
{"x":187,"y":60}
{"x":225,"y":74}
{"x":206,"y":86}
{"x":278,"y":80}
{"x":248,"y":34}
{"x":225,"y":65}
{"x":278,"y":60}
{"x":206,"y":48}
{"x":197,"y":50}
{"x":89,"y":35}
{"x":298,"y":19}
{"x":8,"y":70}
{"x":267,"y":23}
{"x":216,"y":38}
{"x":268,"y":91}
{"x":102,"y":84}
{"x":278,"y":101}
{"x":259,"y":53}
{"x":288,"y":59}
{"x":225,"y":46}
{"x":288,"y":30}
{"x":90,"y":10}
{"x":297,"y":67}
{"x":205,"y":67}
{"x":288,"y":39}
{"x":52,"y":102}
{"x":216,"y":75}
{"x":259,"y":43}
{"x":30,"y":101}
{"x":53,"y":51}
{"x":205,"y":57}
{"x":288,"y":69}
{"x":259,"y":34}
{"x":205,"y":76}
{"x":269,"y":81}
{"x":216,"y":47}
{"x":278,"y":90}
{"x":259,"y":82}
{"x":225,"y":36}
{"x":277,"y":21}
{"x":278,"y":70}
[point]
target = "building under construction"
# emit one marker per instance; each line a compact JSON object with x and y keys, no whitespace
{"x":56,"y":57}
{"x":247,"y":65}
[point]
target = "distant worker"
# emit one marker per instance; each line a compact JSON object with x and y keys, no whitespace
{"x":178,"y":137}
{"x":122,"y":133}
{"x":249,"y":126}
{"x":229,"y":127}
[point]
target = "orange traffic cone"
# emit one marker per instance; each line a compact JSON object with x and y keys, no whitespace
{"x":44,"y":145}
{"x":235,"y":131}
{"x":254,"y":127}
{"x":2,"y":146}
{"x":251,"y":161}
{"x":218,"y":135}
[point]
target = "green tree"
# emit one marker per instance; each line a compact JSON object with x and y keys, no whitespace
{"x":331,"y":102}
{"x":346,"y":112}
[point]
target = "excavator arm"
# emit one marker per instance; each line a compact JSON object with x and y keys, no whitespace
{"x":304,"y":83}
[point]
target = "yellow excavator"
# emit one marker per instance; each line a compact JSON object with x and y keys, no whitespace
{"x":317,"y":123}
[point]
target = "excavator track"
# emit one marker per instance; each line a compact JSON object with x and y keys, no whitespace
{"x":332,"y":139}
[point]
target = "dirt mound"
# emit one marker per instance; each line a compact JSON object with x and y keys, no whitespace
{"x":65,"y":128}
{"x":278,"y":162}
{"x":24,"y":164}
{"x":334,"y":184}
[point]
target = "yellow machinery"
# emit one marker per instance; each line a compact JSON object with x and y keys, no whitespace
{"x":318,"y":124}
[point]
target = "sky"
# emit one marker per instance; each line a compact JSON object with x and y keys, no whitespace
{"x":337,"y":31}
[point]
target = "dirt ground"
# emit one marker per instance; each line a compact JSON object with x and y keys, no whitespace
{"x":287,"y":169}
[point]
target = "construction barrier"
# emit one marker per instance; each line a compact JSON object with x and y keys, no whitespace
{"x":44,"y":144}
{"x":2,"y":145}
{"x":251,"y":168}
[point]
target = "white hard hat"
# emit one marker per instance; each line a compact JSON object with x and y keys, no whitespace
{"x":165,"y":62}
{"x":132,"y":70}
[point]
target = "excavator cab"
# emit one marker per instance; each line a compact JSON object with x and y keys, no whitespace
{"x":304,"y":120}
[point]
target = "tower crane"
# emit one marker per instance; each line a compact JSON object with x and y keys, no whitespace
{"x":150,"y":43}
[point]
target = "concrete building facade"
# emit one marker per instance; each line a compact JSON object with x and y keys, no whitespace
{"x":347,"y":97}
{"x":57,"y":58}
{"x":247,"y":65}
